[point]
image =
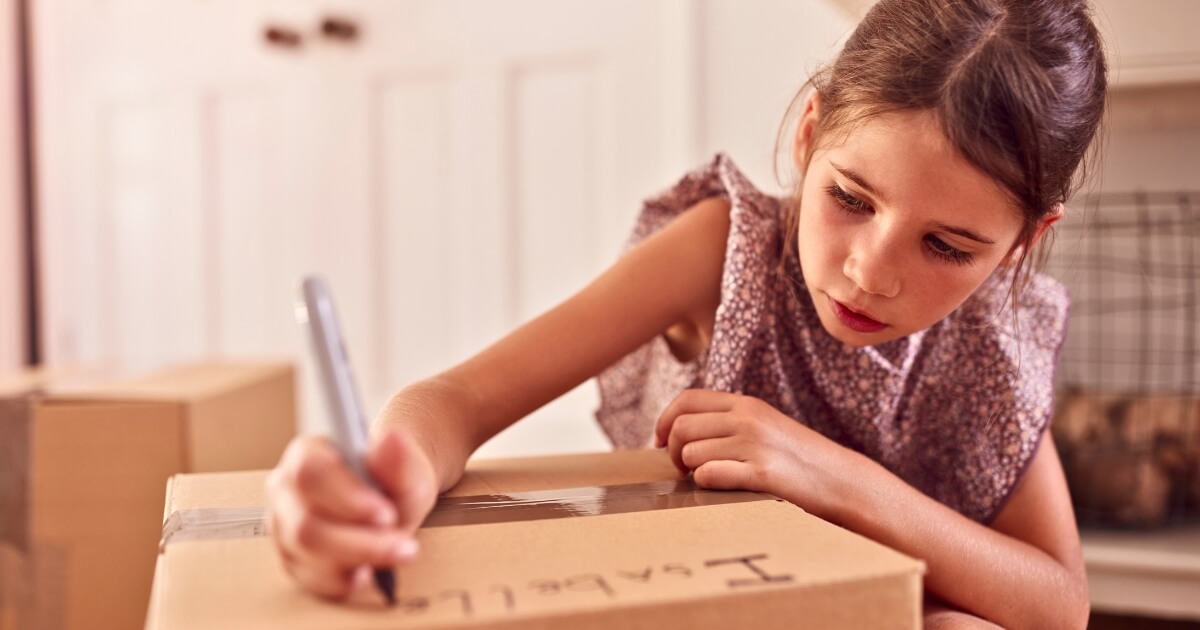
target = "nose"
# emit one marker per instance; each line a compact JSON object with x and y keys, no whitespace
{"x":872,"y":270}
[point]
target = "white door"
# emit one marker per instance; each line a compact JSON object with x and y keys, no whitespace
{"x":453,"y":168}
{"x":12,"y":298}
{"x":170,"y":140}
{"x":497,"y":153}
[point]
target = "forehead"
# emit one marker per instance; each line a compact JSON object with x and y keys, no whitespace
{"x":913,"y":166}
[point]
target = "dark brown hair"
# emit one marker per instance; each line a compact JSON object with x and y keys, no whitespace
{"x":1017,"y":86}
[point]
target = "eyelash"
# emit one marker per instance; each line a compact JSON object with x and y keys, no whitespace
{"x":937,"y":246}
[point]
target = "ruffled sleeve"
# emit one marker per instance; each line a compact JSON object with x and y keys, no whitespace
{"x":985,"y":395}
{"x":634,"y":390}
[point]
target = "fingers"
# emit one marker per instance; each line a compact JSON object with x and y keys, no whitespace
{"x":329,"y":488}
{"x":327,"y":523}
{"x":724,"y":474}
{"x":307,"y":535}
{"x":407,"y":476}
{"x":691,"y":401}
{"x":690,"y":428}
{"x":331,"y":583}
{"x":699,"y":452}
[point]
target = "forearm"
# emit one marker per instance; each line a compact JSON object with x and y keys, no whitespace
{"x":437,"y":412}
{"x":969,"y":565}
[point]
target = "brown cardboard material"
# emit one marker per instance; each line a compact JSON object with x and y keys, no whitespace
{"x":83,"y":470}
{"x":757,"y":562}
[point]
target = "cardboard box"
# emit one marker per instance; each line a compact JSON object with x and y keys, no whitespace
{"x":612,"y":540}
{"x":82,"y":470}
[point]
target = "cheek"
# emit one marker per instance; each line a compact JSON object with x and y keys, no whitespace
{"x":808,"y":248}
{"x":818,"y":240}
{"x":938,"y":291}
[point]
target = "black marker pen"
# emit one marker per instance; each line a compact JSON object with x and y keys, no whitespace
{"x":346,"y":421}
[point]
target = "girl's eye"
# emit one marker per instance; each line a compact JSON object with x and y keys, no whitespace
{"x":848,"y":202}
{"x":937,"y":246}
{"x":945,"y":251}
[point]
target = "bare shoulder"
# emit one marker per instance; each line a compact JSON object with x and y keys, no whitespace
{"x":672,"y":277}
{"x":704,"y":230}
{"x":692,"y":247}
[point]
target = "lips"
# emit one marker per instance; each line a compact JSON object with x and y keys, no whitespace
{"x":854,"y":320}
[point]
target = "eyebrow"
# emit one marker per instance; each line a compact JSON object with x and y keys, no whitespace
{"x":861,"y":181}
{"x":964,"y":233}
{"x":857,"y":179}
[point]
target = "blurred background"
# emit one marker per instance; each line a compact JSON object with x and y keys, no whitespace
{"x":169,"y":169}
{"x":452,"y":168}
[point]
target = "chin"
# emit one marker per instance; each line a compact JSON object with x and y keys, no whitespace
{"x":855,"y":340}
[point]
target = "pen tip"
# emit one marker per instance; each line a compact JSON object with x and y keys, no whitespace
{"x":385,"y":579}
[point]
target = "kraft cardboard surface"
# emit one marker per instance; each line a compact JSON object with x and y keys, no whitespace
{"x":83,"y":475}
{"x":755,"y":562}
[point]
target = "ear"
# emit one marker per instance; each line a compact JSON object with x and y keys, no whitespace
{"x":806,"y":130}
{"x":1054,"y":216}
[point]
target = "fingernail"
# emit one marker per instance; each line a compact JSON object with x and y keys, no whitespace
{"x":404,"y":550}
{"x":384,"y":516}
{"x":362,"y":578}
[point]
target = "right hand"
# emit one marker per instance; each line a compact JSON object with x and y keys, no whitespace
{"x":330,"y":527}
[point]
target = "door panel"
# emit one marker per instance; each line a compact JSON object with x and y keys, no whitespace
{"x":12,"y":265}
{"x":416,"y":243}
{"x":556,"y":130}
{"x":258,"y":226}
{"x":454,"y":169}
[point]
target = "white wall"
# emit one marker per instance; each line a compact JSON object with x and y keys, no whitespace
{"x":755,"y":57}
{"x":1151,"y":131}
{"x":12,"y":342}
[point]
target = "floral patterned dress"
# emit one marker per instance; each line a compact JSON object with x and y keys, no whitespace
{"x":956,"y":410}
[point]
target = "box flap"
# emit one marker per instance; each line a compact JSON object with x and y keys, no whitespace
{"x":20,"y":383}
{"x":522,"y":474}
{"x":184,"y":383}
{"x":761,"y":563}
{"x":557,"y":573}
{"x":245,"y":423}
{"x":483,"y":476}
{"x":215,"y":490}
{"x":36,"y":379}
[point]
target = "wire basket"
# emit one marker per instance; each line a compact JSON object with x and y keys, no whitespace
{"x":1127,"y":424}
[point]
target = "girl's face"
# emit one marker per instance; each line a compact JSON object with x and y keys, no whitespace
{"x":896,"y":228}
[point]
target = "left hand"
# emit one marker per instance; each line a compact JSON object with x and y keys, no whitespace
{"x":734,"y":442}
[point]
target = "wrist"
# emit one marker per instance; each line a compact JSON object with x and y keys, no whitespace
{"x":442,"y":457}
{"x":851,"y":493}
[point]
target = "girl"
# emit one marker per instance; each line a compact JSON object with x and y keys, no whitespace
{"x":871,"y":349}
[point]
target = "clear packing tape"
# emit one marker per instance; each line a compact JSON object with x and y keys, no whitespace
{"x":243,"y":522}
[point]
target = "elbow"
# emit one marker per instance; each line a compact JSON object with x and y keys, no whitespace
{"x":1083,"y":607}
{"x":1085,"y":614}
{"x":1079,"y":606}
{"x":1070,"y":612}
{"x":1077,"y":615}
{"x":1067,"y":606}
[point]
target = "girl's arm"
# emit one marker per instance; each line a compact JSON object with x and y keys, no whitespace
{"x":671,"y":277}
{"x":329,"y":526}
{"x":1026,"y":571}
